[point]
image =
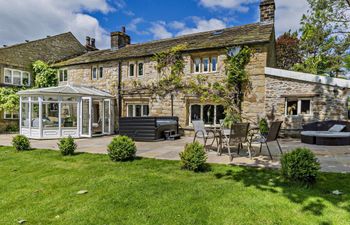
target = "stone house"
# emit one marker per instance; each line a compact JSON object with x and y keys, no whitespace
{"x":272,"y":95}
{"x":16,"y":61}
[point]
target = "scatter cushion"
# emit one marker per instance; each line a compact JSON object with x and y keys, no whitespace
{"x":336,"y":128}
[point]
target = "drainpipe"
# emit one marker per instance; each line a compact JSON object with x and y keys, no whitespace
{"x":172,"y":105}
{"x":119,"y":89}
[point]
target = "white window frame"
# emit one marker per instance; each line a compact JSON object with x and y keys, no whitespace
{"x":134,"y":109}
{"x":138,"y":69}
{"x":129,"y":70}
{"x":201,"y":113}
{"x":194,"y":65}
{"x":12,"y":117}
{"x":21,"y":77}
{"x":64,"y":79}
{"x":298,"y":106}
{"x":211,"y":64}
{"x":208,"y":67}
{"x":92,"y":73}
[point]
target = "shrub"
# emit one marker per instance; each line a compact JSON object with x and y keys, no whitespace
{"x":263,"y":126}
{"x":67,"y":146}
{"x":12,"y":128}
{"x":300,"y":165}
{"x":21,"y":143}
{"x":193,"y":157}
{"x":121,"y":148}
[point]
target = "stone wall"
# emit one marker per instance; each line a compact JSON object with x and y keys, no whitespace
{"x":327,"y":102}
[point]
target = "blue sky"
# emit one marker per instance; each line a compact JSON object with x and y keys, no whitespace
{"x":145,"y":20}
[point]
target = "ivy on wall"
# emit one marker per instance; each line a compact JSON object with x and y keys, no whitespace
{"x":229,"y":92}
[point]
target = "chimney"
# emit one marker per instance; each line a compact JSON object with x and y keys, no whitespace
{"x":119,"y":39}
{"x":88,"y":41}
{"x":93,"y":42}
{"x":267,"y":11}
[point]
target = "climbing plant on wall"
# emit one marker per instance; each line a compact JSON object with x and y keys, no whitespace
{"x":229,"y":91}
{"x":44,"y":75}
{"x":9,"y":100}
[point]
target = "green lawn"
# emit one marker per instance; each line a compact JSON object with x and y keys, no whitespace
{"x":40,"y":186}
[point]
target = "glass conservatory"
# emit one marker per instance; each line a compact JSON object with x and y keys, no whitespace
{"x":63,"y":111}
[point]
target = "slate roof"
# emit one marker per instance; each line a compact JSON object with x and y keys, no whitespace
{"x":51,"y":49}
{"x":246,"y":34}
{"x":66,"y":90}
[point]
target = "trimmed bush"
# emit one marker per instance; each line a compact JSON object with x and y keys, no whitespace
{"x":67,"y":146}
{"x":263,"y":126}
{"x":193,"y":157}
{"x":300,"y":165}
{"x":121,"y":148}
{"x":21,"y":143}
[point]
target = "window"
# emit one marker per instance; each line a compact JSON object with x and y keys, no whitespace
{"x":69,"y":115}
{"x":197,"y":65}
{"x":63,"y":75}
{"x":101,"y":72}
{"x":296,"y":107}
{"x":25,"y":114}
{"x":16,"y":77}
{"x":140,"y":67}
{"x":131,"y":70}
{"x":214,"y":61}
{"x":137,"y":110}
{"x":206,"y":65}
{"x":210,"y":114}
{"x":10,"y":115}
{"x":94,"y":73}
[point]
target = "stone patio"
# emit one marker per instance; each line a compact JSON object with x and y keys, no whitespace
{"x":332,"y":158}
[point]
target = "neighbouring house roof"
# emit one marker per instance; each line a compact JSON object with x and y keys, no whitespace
{"x":67,"y":90}
{"x":307,"y":77}
{"x":51,"y":49}
{"x":247,"y":34}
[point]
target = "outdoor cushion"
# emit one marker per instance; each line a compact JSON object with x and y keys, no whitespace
{"x":325,"y":134}
{"x":336,"y":128}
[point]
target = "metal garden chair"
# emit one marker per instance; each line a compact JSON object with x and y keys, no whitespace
{"x":206,"y":135}
{"x":271,"y":136}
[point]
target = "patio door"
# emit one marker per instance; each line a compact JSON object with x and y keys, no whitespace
{"x":85,"y":115}
{"x":107,"y":116}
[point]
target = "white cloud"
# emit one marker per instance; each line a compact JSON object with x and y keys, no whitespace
{"x":133,"y":26}
{"x":203,"y":25}
{"x":33,"y":19}
{"x":177,"y":25}
{"x":289,"y":13}
{"x":237,"y":5}
{"x":159,"y":30}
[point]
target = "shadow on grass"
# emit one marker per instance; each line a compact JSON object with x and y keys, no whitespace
{"x":311,"y":198}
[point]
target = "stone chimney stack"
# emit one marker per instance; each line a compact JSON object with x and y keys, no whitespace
{"x":267,"y":11}
{"x":90,"y":44}
{"x":119,"y":39}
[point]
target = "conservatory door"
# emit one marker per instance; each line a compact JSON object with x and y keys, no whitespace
{"x":107,"y":116}
{"x":85,"y":115}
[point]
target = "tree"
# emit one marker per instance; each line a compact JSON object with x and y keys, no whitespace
{"x":287,"y":50}
{"x":325,"y":37}
{"x":44,"y":75}
{"x":9,"y":100}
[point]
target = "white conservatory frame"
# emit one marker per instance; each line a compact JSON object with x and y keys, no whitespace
{"x":72,"y":108}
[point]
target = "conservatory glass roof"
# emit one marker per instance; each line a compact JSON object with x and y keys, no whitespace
{"x":67,"y":90}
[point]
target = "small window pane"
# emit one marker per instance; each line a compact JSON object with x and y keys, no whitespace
{"x":208,"y":114}
{"x":35,"y":115}
{"x":61,"y":75}
{"x":145,"y":111}
{"x":220,"y":113}
{"x":131,"y":70}
{"x":138,"y":110}
{"x":25,"y":78}
{"x":50,"y":116}
{"x":16,"y":77}
{"x":8,"y":76}
{"x":69,"y":99}
{"x":292,"y":107}
{"x":305,"y":107}
{"x":69,"y":115}
{"x":197,"y":65}
{"x":50,"y":98}
{"x":213,"y":64}
{"x":7,"y":115}
{"x":130,"y":110}
{"x":65,"y":75}
{"x":101,"y":72}
{"x":25,"y":114}
{"x":195,"y":112}
{"x":94,"y":73}
{"x":15,"y":115}
{"x":205,"y":65}
{"x":140,"y":69}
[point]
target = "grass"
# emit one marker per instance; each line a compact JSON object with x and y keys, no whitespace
{"x":40,"y":186}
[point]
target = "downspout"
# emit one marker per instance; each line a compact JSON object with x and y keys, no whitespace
{"x":119,"y":90}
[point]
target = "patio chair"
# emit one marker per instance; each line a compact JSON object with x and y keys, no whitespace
{"x":206,"y":135}
{"x":238,"y":136}
{"x":271,"y":136}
